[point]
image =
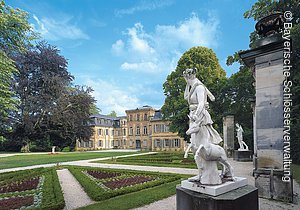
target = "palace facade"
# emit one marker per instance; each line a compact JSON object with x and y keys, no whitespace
{"x":142,"y":128}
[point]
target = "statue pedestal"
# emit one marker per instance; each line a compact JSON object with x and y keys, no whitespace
{"x":245,"y":198}
{"x":214,"y":190}
{"x":243,"y":155}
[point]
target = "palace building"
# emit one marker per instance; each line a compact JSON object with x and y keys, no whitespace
{"x":142,"y":128}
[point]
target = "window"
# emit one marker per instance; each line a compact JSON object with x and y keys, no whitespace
{"x":112,"y":143}
{"x":130,"y":131}
{"x":106,"y":132}
{"x":100,"y":143}
{"x":124,"y":141}
{"x":124,"y":132}
{"x":130,"y":117}
{"x":145,"y":130}
{"x":138,"y":117}
{"x":112,"y":132}
{"x":167,"y":143}
{"x":138,"y":130}
{"x":130,"y":143}
{"x":158,"y":128}
{"x":145,"y":117}
{"x":99,"y":132}
{"x":176,"y":143}
{"x":145,"y":143}
{"x":166,"y":128}
{"x":157,"y":143}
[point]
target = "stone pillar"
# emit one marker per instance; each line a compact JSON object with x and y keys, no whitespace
{"x":266,"y":62}
{"x":228,"y":133}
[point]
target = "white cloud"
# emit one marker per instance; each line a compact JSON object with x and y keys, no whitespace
{"x":143,"y":6}
{"x":159,"y":51}
{"x":52,"y":29}
{"x":118,"y":47}
{"x":138,"y":40}
{"x":188,"y":33}
{"x":110,"y":96}
{"x":143,"y":67}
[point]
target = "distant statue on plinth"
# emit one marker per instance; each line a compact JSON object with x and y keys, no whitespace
{"x":204,"y":138}
{"x":239,"y":135}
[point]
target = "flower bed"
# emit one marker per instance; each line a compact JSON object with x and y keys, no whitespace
{"x":33,"y":189}
{"x":16,"y":202}
{"x":116,"y":182}
{"x":102,"y":175}
{"x":24,"y":185}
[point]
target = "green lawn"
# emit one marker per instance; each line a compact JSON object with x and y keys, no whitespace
{"x":36,"y":159}
{"x":163,"y":159}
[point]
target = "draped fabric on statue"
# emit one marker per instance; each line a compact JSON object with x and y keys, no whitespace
{"x":204,"y":118}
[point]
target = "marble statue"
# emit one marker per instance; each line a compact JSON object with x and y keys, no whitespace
{"x":239,"y":135}
{"x":204,"y":138}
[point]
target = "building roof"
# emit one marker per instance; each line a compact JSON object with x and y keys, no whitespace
{"x":104,"y":116}
{"x":146,"y":107}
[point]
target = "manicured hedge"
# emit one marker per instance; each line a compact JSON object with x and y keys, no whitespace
{"x":95,"y":189}
{"x":165,"y":159}
{"x":46,"y":195}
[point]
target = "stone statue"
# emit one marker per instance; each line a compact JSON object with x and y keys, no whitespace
{"x":239,"y":135}
{"x":204,"y":138}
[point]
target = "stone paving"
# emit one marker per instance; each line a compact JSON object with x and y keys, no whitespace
{"x":74,"y":194}
{"x":243,"y":169}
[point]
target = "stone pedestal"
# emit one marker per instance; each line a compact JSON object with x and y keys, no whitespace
{"x":214,"y":190}
{"x":270,"y":185}
{"x":228,"y":134}
{"x":245,"y":198}
{"x":243,"y":155}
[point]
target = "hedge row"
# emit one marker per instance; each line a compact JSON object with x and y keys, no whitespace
{"x":50,"y":192}
{"x":98,"y":193}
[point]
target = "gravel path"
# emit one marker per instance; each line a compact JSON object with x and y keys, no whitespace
{"x":74,"y":194}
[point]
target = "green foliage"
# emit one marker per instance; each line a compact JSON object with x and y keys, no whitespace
{"x":296,"y":172}
{"x":52,"y":196}
{"x":94,"y":109}
{"x":209,"y":72}
{"x":37,"y":159}
{"x":66,"y":149}
{"x":162,"y":159}
{"x":113,"y":113}
{"x":52,"y":193}
{"x":97,"y":193}
{"x":136,"y":199}
{"x":15,"y":30}
{"x":15,"y":34}
{"x":68,"y":121}
{"x":238,"y":94}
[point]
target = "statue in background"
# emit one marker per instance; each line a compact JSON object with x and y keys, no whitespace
{"x":204,"y":138}
{"x":239,"y":135}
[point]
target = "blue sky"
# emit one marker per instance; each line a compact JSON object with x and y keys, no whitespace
{"x":124,"y":50}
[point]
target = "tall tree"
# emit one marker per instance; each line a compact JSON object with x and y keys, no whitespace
{"x":15,"y":34}
{"x":209,"y":72}
{"x":69,"y":119}
{"x":238,"y":94}
{"x":41,"y":81}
